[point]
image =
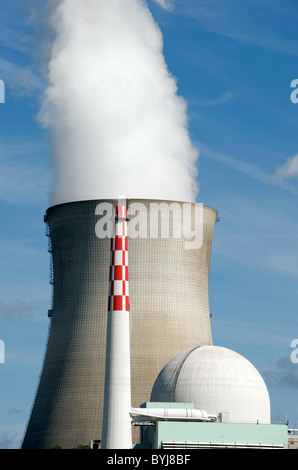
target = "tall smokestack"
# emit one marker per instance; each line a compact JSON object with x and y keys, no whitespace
{"x":116,"y":428}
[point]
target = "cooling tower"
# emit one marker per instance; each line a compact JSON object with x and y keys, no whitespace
{"x":169,"y":310}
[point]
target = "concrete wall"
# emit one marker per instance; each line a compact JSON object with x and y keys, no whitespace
{"x":169,"y":311}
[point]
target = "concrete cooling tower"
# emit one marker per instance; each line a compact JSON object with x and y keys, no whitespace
{"x":169,"y":308}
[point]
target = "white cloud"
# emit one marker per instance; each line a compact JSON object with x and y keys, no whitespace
{"x":288,"y":170}
{"x":245,"y":23}
{"x":23,"y":179}
{"x":14,"y":411}
{"x":20,"y":79}
{"x":14,"y":21}
{"x":252,"y":171}
{"x":166,"y":4}
{"x":238,"y":165}
{"x":16,"y":309}
{"x":6,"y":441}
{"x":255,"y":234}
{"x":224,"y":98}
{"x":283,"y":373}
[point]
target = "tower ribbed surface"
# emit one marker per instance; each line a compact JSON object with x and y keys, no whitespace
{"x":169,"y":313}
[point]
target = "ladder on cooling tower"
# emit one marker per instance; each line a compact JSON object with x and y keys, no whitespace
{"x":51,"y":275}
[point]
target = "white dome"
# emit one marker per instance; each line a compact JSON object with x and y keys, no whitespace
{"x":217,"y":380}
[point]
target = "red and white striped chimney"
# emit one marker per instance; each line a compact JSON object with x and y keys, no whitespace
{"x":116,"y":429}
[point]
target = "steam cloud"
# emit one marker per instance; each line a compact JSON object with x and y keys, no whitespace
{"x":116,"y":121}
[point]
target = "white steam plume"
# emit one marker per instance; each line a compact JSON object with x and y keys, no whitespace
{"x":116,"y":122}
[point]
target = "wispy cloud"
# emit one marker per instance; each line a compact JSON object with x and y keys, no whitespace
{"x":20,"y":80}
{"x":258,"y":23}
{"x":23,"y":180}
{"x":282,"y":373}
{"x":15,"y":411}
{"x":247,"y":169}
{"x":238,"y":165}
{"x":256,"y":234}
{"x":18,"y":49}
{"x":16,"y":309}
{"x":224,"y":98}
{"x":288,"y":170}
{"x":14,"y":21}
{"x":13,"y":38}
{"x":6,"y":441}
{"x":166,"y":4}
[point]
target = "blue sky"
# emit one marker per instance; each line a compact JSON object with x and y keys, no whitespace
{"x":234,"y":63}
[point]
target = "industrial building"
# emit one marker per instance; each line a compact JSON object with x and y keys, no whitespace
{"x":177,"y":430}
{"x":229,"y":391}
{"x":194,"y":394}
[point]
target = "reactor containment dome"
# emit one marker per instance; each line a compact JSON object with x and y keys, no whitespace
{"x":218,"y":380}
